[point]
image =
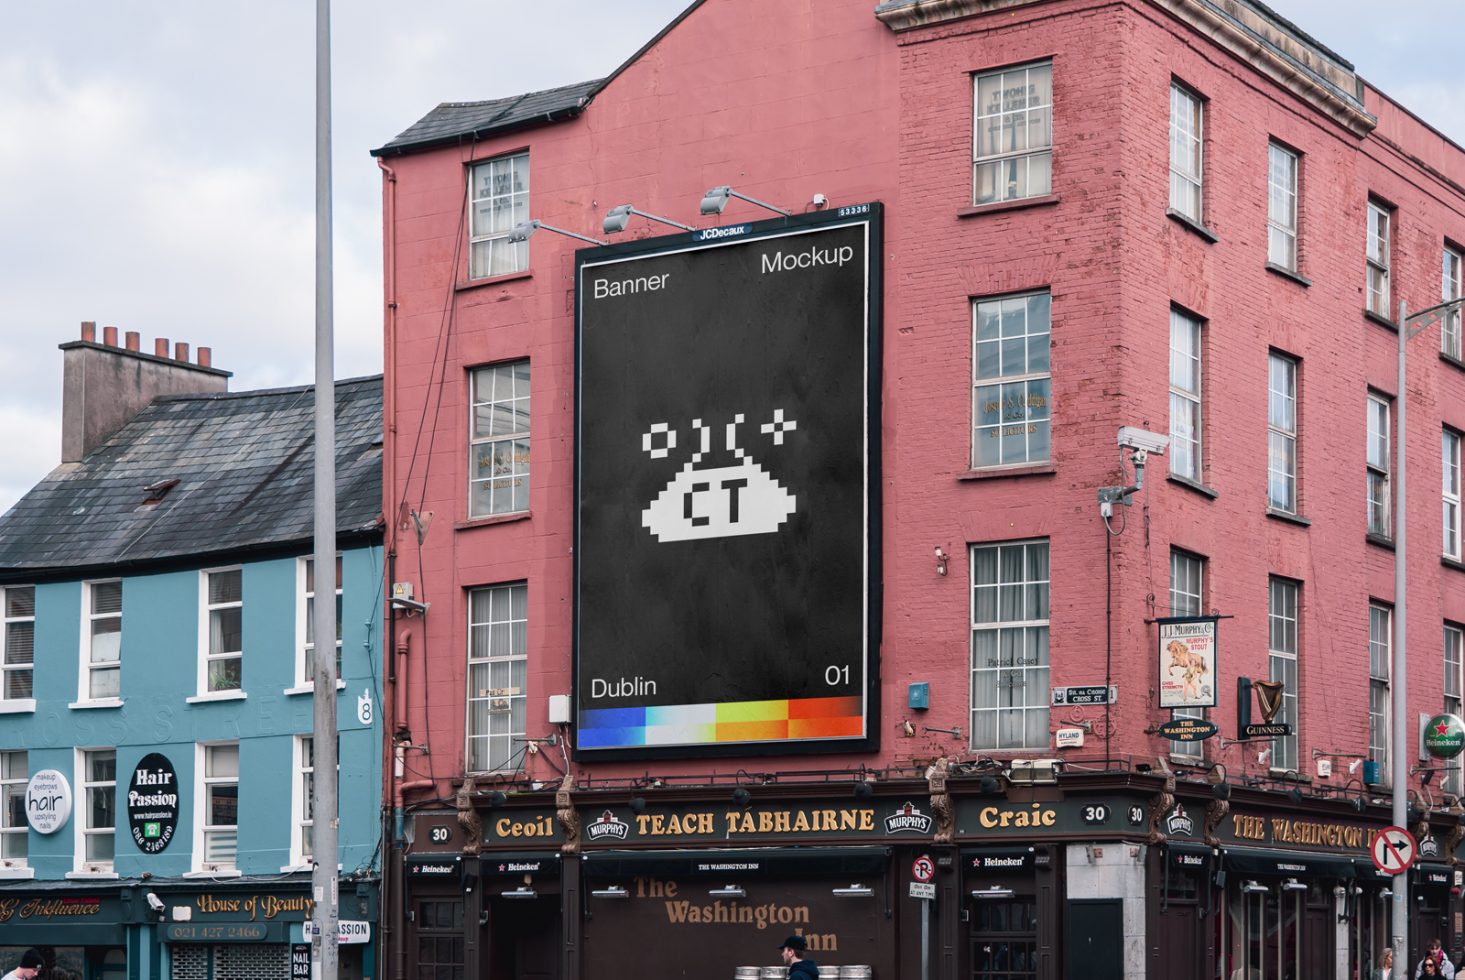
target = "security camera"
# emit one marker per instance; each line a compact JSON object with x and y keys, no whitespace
{"x":1142,"y":440}
{"x":410,"y":605}
{"x":155,"y":903}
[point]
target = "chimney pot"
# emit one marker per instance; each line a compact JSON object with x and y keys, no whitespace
{"x":109,"y":336}
{"x":160,"y":347}
{"x":89,"y":331}
{"x":133,"y":339}
{"x":205,"y":356}
{"x":180,"y":352}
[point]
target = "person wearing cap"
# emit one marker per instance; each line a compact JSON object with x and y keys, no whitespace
{"x":799,"y":967}
{"x":30,"y":966}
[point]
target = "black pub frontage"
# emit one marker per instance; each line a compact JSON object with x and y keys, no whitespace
{"x":1116,"y":874}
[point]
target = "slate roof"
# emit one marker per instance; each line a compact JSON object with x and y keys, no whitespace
{"x":453,"y":122}
{"x":244,"y":463}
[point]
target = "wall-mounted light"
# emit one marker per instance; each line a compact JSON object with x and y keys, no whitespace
{"x":854,"y":891}
{"x":1293,"y":885}
{"x":614,"y":891}
{"x":637,"y":804}
{"x":1386,"y":893}
{"x":618,"y":217}
{"x":520,"y":892}
{"x":941,"y":559}
{"x":716,"y":199}
{"x":998,"y":892}
{"x":524,"y":229}
{"x":728,"y":891}
{"x":1034,"y":772}
{"x":863,"y":790}
{"x":497,"y":798}
{"x":1254,"y":888}
{"x":741,"y":796}
{"x":988,"y":785}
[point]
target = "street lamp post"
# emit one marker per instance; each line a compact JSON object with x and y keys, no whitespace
{"x":1409,"y":326}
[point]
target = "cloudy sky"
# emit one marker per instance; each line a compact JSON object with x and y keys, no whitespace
{"x":158,"y":167}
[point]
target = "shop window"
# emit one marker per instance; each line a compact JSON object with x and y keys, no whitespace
{"x":1012,"y":151}
{"x":102,"y":654}
{"x":1004,"y":938}
{"x":307,"y":617}
{"x":14,"y":836}
{"x":1012,"y":401}
{"x":1010,"y":664}
{"x":498,"y":660}
{"x":17,"y":645}
{"x":440,"y":940}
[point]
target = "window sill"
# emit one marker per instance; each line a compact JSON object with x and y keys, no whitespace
{"x":493,"y":280}
{"x":291,"y":869}
{"x":216,"y":696}
{"x":1452,"y":359}
{"x":91,"y":876}
{"x":17,"y":874}
{"x":1194,"y":485}
{"x":96,"y":703}
{"x":995,"y":473}
{"x":1454,"y":563}
{"x":221,"y":873}
{"x":18,"y":706}
{"x":472,"y":522}
{"x":1382,"y":321}
{"x":999,"y":206}
{"x":310,"y":688}
{"x":1290,"y":518}
{"x":1287,"y":273}
{"x":1383,"y":541}
{"x":1192,"y":225}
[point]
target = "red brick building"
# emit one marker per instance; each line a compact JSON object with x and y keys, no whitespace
{"x":1082,"y":217}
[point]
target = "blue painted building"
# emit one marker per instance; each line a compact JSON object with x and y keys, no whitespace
{"x":155,"y":701}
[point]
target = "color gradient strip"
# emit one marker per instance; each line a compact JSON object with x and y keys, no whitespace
{"x":711,"y":724}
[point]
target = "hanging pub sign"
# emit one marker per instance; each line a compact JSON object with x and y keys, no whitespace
{"x":1269,"y":698}
{"x":1444,"y":736}
{"x":1187,"y":662}
{"x":1188,"y":729}
{"x":152,"y":803}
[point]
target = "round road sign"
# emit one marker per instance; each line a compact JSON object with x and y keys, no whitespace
{"x":923,"y":868}
{"x":1393,"y":850}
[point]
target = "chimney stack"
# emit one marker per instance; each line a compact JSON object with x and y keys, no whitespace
{"x":132,"y":340}
{"x":105,"y":385}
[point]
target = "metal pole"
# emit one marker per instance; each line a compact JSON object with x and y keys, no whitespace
{"x":324,"y":878}
{"x":1399,"y":700}
{"x":925,"y":939}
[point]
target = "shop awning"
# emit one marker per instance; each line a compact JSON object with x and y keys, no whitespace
{"x":516,"y":864}
{"x":433,"y":865}
{"x":1286,"y":864}
{"x":1191,"y":857}
{"x":1003,"y":858}
{"x":1433,"y":875}
{"x":753,"y":861}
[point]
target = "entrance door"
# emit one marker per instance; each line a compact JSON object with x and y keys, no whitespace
{"x":1093,"y":939}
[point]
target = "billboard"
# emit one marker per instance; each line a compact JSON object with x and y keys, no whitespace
{"x":726,"y":490}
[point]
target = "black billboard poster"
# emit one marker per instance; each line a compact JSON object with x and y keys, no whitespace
{"x":727,"y":448}
{"x":152,"y":803}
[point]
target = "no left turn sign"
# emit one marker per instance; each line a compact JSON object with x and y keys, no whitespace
{"x":1393,"y":850}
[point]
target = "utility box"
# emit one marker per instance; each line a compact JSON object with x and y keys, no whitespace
{"x":919,"y":696}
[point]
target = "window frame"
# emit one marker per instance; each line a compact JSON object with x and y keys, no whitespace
{"x":1452,"y":287}
{"x":1194,"y":398}
{"x":1026,"y":379}
{"x":515,"y":593}
{"x":1187,"y":134}
{"x":9,"y":626}
{"x":1009,"y":158}
{"x":1380,"y":677}
{"x":204,"y":783}
{"x":1036,"y":674}
{"x":302,"y":816}
{"x":1282,"y":428}
{"x":1453,"y":780}
{"x":90,"y":618}
{"x":1453,"y":544}
{"x":1377,"y":459}
{"x":85,"y":829}
{"x":1188,"y":598}
{"x":519,"y":212}
{"x":522,"y":470}
{"x":12,"y":788}
{"x":1379,"y":241}
{"x":1287,"y":227}
{"x":206,"y":655}
{"x":1284,"y":747}
{"x":305,"y":624}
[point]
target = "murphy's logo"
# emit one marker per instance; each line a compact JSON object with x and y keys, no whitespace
{"x":908,"y":820}
{"x":607,"y":826}
{"x":1180,"y":822}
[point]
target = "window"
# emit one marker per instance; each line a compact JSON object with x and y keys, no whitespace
{"x":14,"y":839}
{"x":1451,"y":289}
{"x":1012,"y":409}
{"x":1378,"y":260}
{"x":1450,"y":453}
{"x":1012,"y":156}
{"x":1380,"y":654}
{"x":1282,"y":207}
{"x":498,"y":654}
{"x":17,"y":642}
{"x":304,"y":798}
{"x":500,"y":193}
{"x":500,"y":467}
{"x":102,"y":667}
{"x":1378,"y":465}
{"x":1282,"y":434}
{"x":224,"y":653}
{"x":1185,"y":392}
{"x":98,"y":824}
{"x":1186,"y":115}
{"x":1454,"y":642}
{"x":1010,"y":663}
{"x":307,"y":659}
{"x":1187,"y":590}
{"x":1282,"y":649}
{"x":219,"y":801}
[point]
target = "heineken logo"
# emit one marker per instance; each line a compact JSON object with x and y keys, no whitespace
{"x":1444,"y":736}
{"x":607,"y":826}
{"x":908,"y":818}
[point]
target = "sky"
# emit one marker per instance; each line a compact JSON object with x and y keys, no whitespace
{"x":158,"y":160}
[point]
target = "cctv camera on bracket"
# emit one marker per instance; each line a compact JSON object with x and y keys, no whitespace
{"x":155,"y":903}
{"x":409,"y":605}
{"x":1141,"y":440}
